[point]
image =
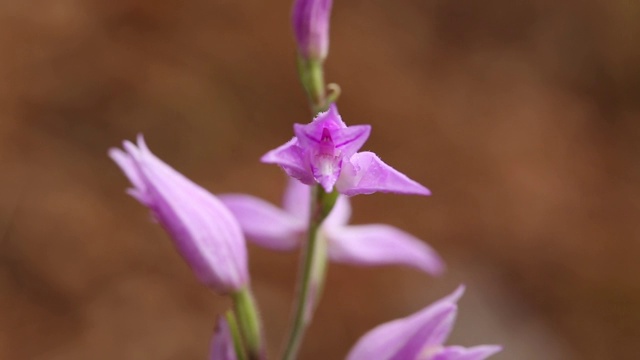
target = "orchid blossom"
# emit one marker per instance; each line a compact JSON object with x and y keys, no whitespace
{"x":325,"y":151}
{"x":419,"y":337}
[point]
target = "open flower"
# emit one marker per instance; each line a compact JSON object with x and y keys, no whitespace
{"x":284,"y":229}
{"x":204,"y":231}
{"x":222,"y":343}
{"x":311,"y":27}
{"x":419,"y":337}
{"x":325,"y":151}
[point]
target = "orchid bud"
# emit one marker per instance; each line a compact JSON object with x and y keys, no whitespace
{"x":311,"y":28}
{"x":203,"y":230}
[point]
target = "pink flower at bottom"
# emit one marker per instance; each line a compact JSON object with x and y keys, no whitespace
{"x":419,"y":337}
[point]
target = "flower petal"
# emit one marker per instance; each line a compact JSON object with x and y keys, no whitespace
{"x":427,"y":338}
{"x":339,"y":215}
{"x":222,"y":344}
{"x":265,"y":224}
{"x":131,"y":170}
{"x":311,"y":134}
{"x":203,"y":230}
{"x":388,"y":340}
{"x":289,"y":158}
{"x":480,"y":352}
{"x":296,"y":200}
{"x":379,"y":244}
{"x":365,"y":173}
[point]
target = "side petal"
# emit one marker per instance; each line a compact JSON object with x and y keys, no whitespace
{"x":296,"y":200}
{"x":263,"y":223}
{"x":379,"y":244}
{"x":365,"y":173}
{"x":204,"y":231}
{"x":388,"y":341}
{"x":426,"y":338}
{"x":128,"y":165}
{"x":394,"y":339}
{"x":222,"y":343}
{"x":339,"y":215}
{"x":461,"y":353}
{"x":351,"y":139}
{"x":289,"y":158}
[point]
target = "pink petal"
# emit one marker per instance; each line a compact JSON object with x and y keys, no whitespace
{"x":434,"y":335}
{"x":339,"y":215}
{"x":203,"y":230}
{"x":296,"y":200}
{"x":311,"y":134}
{"x":265,"y":224}
{"x":461,"y":353}
{"x":365,"y":173}
{"x":131,"y":170}
{"x":428,"y":337}
{"x":379,"y":244}
{"x":289,"y":157}
{"x":388,"y":340}
{"x":222,"y":344}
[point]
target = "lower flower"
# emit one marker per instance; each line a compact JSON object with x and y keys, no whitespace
{"x":420,"y":337}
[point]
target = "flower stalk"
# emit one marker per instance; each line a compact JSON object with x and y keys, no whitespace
{"x":311,"y":74}
{"x":238,"y":344}
{"x":249,"y":325}
{"x":313,"y":270}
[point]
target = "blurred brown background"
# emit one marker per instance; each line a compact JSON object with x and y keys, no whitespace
{"x":522,"y":116}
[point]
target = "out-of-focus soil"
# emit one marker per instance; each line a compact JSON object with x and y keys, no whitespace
{"x":521,"y":116}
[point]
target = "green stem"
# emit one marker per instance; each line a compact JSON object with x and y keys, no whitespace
{"x":313,"y":269}
{"x":246,"y":312}
{"x":235,"y":335}
{"x":312,"y":77}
